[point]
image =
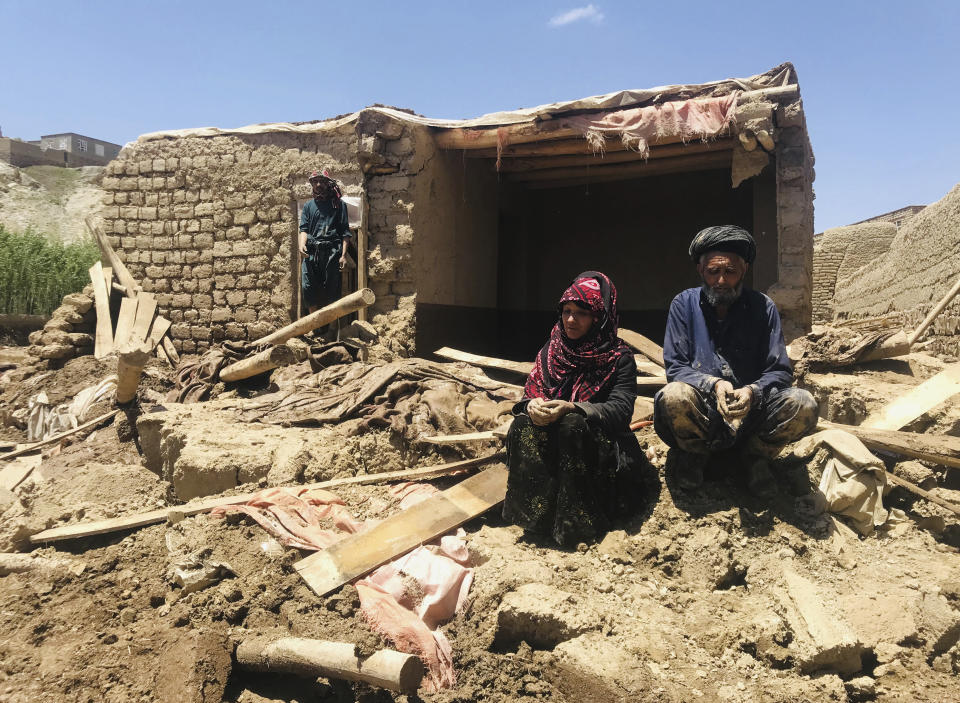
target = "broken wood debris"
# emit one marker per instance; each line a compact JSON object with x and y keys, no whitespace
{"x":936,"y":500}
{"x":647,"y":347}
{"x":360,"y":553}
{"x":266,"y":360}
{"x":103,"y":343}
{"x":521,"y":368}
{"x":127,"y":522}
{"x":325,"y":315}
{"x":132,"y":358}
{"x":943,"y":450}
{"x":57,"y":437}
{"x":312,"y":658}
{"x":916,"y":401}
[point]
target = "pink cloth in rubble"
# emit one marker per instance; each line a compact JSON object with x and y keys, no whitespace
{"x":689,"y":119}
{"x":294,"y":515}
{"x":408,"y":620}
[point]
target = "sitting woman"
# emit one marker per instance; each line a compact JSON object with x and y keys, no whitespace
{"x":569,"y":450}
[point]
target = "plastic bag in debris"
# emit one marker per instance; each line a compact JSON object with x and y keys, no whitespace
{"x":193,"y":573}
{"x":44,"y":421}
{"x":852,"y":481}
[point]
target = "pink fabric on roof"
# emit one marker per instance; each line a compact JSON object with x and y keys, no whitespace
{"x":699,"y":118}
{"x":405,"y":614}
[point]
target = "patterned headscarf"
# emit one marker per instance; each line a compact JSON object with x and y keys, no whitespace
{"x":576,"y":370}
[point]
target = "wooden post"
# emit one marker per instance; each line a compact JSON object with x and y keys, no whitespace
{"x":104,"y":334}
{"x":362,"y":252}
{"x":895,"y":345}
{"x":323,"y":316}
{"x":266,"y":360}
{"x":333,"y":660}
{"x":928,"y":320}
{"x":123,"y":274}
{"x":133,"y":357}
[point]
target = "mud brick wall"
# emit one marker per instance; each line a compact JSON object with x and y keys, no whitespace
{"x":920,"y":266}
{"x":794,"y":161}
{"x":209,"y":225}
{"x":837,"y":255}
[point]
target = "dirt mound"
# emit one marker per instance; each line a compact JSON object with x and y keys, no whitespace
{"x":48,"y":199}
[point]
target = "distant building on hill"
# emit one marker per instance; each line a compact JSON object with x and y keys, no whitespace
{"x":897,"y":217}
{"x":68,"y":149}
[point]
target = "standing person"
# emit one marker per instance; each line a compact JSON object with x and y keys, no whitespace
{"x":729,"y":378}
{"x":324,"y":231}
{"x":569,"y":449}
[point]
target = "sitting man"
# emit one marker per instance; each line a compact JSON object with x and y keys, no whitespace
{"x":727,"y":368}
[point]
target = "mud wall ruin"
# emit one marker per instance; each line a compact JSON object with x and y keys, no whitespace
{"x":838,"y":253}
{"x":922,"y":263}
{"x":208,"y":224}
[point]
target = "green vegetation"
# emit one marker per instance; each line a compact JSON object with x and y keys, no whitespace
{"x":36,"y":272}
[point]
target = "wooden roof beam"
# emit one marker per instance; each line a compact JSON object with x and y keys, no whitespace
{"x":564,"y":178}
{"x":617,"y":157}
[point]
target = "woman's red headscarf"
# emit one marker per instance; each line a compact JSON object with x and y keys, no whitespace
{"x":576,"y":370}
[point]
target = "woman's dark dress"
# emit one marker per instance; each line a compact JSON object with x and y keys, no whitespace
{"x":571,"y":478}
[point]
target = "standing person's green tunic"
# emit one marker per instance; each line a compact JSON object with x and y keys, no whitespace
{"x":327,"y":226}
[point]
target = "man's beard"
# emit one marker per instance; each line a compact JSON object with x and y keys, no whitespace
{"x":726,"y":296}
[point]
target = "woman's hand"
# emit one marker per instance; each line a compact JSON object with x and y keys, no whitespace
{"x":545,"y":412}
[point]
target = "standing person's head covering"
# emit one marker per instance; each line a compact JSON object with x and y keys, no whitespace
{"x":576,"y":370}
{"x":727,"y":238}
{"x":335,"y":193}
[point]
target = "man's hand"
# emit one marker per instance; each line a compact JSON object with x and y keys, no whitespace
{"x":343,"y":260}
{"x":733,"y":404}
{"x":545,"y":412}
{"x":302,"y":244}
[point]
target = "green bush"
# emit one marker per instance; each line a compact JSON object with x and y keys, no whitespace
{"x":36,"y":272}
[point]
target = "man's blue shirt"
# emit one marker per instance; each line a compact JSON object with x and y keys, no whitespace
{"x":324,"y":221}
{"x":746,"y":348}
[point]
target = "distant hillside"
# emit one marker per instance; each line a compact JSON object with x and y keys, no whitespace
{"x":48,"y":199}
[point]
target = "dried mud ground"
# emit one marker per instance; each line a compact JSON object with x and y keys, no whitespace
{"x":715,"y":596}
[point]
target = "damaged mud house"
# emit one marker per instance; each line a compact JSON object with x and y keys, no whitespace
{"x":251,"y":515}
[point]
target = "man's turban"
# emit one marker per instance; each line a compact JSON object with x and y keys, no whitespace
{"x":728,"y":238}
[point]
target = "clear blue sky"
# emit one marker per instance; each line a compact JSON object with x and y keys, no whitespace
{"x":879,"y":79}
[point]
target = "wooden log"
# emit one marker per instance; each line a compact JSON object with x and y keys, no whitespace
{"x":942,"y":450}
{"x":311,"y":658}
{"x":647,"y":367}
{"x":267,"y":360}
{"x":14,"y":472}
{"x":460,"y":438}
{"x":647,"y":383}
{"x":128,"y":313}
{"x":104,"y":334}
{"x":896,"y":345}
{"x":932,"y":315}
{"x":916,"y":490}
{"x":119,"y":268}
{"x":645,"y":346}
{"x":128,"y":522}
{"x":132,"y":358}
{"x":358,"y":554}
{"x":333,"y":311}
{"x":170,"y":350}
{"x":57,"y":437}
{"x":146,"y":309}
{"x":45,"y":567}
{"x":522,"y":368}
{"x":917,"y":401}
{"x":747,"y":139}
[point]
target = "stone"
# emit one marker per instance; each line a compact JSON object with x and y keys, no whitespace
{"x":614,"y":545}
{"x":541,"y":616}
{"x":938,"y":623}
{"x":57,"y":351}
{"x":193,"y":667}
{"x":916,"y":473}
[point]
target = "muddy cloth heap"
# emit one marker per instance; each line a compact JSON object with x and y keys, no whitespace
{"x":405,"y":600}
{"x":415,"y":398}
{"x":852,"y":481}
{"x":194,"y":378}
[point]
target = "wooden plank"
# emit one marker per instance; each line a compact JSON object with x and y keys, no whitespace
{"x":57,"y":437}
{"x":146,"y":309}
{"x":936,"y":500}
{"x":119,"y":268}
{"x":460,"y":438}
{"x":917,"y":401}
{"x":647,"y":367}
{"x":171,"y":350}
{"x":128,"y":313}
{"x":127,"y":522}
{"x":642,"y":409}
{"x":12,"y":474}
{"x":104,"y":334}
{"x":943,"y":450}
{"x":618,"y":171}
{"x":651,"y":382}
{"x":645,"y":346}
{"x":162,"y":355}
{"x":488,"y":362}
{"x":157,"y":330}
{"x":358,"y":554}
